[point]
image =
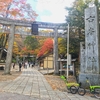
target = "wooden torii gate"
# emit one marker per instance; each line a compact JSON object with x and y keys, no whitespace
{"x":13,"y":23}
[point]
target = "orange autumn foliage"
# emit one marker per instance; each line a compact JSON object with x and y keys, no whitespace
{"x":46,"y":48}
{"x":26,"y":51}
{"x":17,"y":9}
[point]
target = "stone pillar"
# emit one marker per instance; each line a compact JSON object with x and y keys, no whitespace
{"x":92,"y":40}
{"x":55,"y":53}
{"x":9,"y":51}
{"x":91,"y":68}
{"x":82,"y":58}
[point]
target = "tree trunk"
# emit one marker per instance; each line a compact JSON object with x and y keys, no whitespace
{"x":3,"y":40}
{"x":9,"y":51}
{"x":1,"y":54}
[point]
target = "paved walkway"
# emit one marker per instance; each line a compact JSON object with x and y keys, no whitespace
{"x":31,"y":85}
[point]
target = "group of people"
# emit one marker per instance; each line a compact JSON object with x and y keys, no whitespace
{"x":25,"y":64}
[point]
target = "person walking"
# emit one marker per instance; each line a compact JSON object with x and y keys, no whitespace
{"x":26,"y":64}
{"x":20,"y":65}
{"x":13,"y":65}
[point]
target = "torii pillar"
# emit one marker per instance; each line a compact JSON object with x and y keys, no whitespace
{"x":9,"y":51}
{"x":55,"y":52}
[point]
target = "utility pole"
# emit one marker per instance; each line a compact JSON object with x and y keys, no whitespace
{"x":67,"y":49}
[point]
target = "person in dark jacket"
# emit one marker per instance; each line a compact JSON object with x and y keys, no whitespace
{"x":20,"y":65}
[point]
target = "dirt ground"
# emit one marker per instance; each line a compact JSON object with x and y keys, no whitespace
{"x":56,"y":82}
{"x":14,"y":74}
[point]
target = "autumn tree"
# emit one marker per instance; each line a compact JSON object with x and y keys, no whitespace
{"x":3,"y":42}
{"x":31,"y":45}
{"x":18,"y":45}
{"x":17,"y":9}
{"x":31,"y":42}
{"x":47,"y":47}
{"x":62,"y":50}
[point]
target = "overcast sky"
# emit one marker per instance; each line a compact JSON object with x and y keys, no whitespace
{"x":50,"y":10}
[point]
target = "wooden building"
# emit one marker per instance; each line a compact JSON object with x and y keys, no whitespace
{"x":46,"y":62}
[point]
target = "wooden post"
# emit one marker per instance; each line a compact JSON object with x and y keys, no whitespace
{"x":61,"y":67}
{"x":47,"y":67}
{"x":9,"y":51}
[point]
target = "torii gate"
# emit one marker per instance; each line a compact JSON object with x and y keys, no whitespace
{"x":54,"y":26}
